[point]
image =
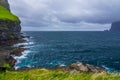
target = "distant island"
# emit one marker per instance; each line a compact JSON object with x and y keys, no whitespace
{"x":115,"y":26}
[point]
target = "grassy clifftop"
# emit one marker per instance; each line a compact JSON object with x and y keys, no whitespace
{"x":7,"y":15}
{"x":44,"y":74}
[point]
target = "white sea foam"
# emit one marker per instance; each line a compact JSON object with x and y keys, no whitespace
{"x":18,"y":58}
{"x":26,"y":39}
{"x":25,"y":44}
{"x":108,"y":69}
{"x":59,"y":63}
{"x":17,"y":67}
{"x":62,"y":65}
{"x":29,"y":66}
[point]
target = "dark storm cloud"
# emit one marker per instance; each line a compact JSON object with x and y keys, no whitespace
{"x":66,"y":14}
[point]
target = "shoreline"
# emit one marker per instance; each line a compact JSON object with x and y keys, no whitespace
{"x":19,"y":51}
{"x":8,"y":51}
{"x":74,"y":67}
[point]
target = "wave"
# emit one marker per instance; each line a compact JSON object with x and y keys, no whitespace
{"x":108,"y":69}
{"x":54,"y":63}
{"x":25,"y":44}
{"x":19,"y":58}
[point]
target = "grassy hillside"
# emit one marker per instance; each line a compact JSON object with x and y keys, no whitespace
{"x":6,"y":15}
{"x":43,"y":74}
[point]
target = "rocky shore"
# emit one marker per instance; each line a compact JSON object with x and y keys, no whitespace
{"x":79,"y":67}
{"x":73,"y":68}
{"x":7,"y":53}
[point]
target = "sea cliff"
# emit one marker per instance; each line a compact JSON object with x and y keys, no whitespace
{"x":5,"y":4}
{"x":115,"y":26}
{"x":9,"y":24}
{"x":10,"y":33}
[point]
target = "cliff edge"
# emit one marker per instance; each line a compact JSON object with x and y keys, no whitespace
{"x":115,"y":26}
{"x":5,"y":4}
{"x":10,"y":28}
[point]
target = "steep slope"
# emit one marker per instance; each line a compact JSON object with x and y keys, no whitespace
{"x":9,"y":24}
{"x":115,"y":26}
{"x":5,"y":4}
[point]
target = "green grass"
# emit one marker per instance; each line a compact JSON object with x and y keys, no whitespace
{"x":8,"y":67}
{"x":43,"y":74}
{"x":6,"y":15}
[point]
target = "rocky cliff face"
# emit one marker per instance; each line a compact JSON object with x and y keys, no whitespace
{"x":10,"y":33}
{"x":9,"y":30}
{"x":5,"y":4}
{"x":115,"y":26}
{"x":9,"y":24}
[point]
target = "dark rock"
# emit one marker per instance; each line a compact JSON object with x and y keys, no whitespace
{"x":11,"y":61}
{"x":17,"y":51}
{"x":4,"y":54}
{"x":10,"y":33}
{"x":81,"y":67}
{"x":21,"y":46}
{"x":9,"y":30}
{"x":3,"y":69}
{"x":106,"y":30}
{"x":25,"y":36}
{"x":5,"y":57}
{"x":115,"y":26}
{"x":12,"y":42}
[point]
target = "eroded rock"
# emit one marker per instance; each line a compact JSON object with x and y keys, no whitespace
{"x":81,"y":67}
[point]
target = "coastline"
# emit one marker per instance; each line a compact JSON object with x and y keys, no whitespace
{"x":8,"y":51}
{"x":19,"y":51}
{"x":74,"y":71}
{"x":72,"y":68}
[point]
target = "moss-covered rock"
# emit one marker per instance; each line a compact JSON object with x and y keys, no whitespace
{"x":9,"y":24}
{"x":9,"y":30}
{"x":5,"y":4}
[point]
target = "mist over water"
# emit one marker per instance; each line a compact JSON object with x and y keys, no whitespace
{"x":48,"y":49}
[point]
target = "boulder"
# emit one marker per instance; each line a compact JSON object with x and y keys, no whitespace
{"x":81,"y":67}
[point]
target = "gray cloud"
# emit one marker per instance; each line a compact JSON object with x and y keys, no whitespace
{"x":66,"y":14}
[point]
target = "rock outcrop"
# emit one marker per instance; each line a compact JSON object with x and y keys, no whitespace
{"x":115,"y":26}
{"x":81,"y":67}
{"x":9,"y":24}
{"x":5,"y":4}
{"x":9,"y":30}
{"x":10,"y":33}
{"x":5,"y":57}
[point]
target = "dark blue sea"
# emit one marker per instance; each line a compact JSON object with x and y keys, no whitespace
{"x":48,"y":49}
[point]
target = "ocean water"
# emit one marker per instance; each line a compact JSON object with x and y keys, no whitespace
{"x":47,"y":49}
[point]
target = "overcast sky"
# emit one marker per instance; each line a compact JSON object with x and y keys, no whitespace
{"x":75,"y":15}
